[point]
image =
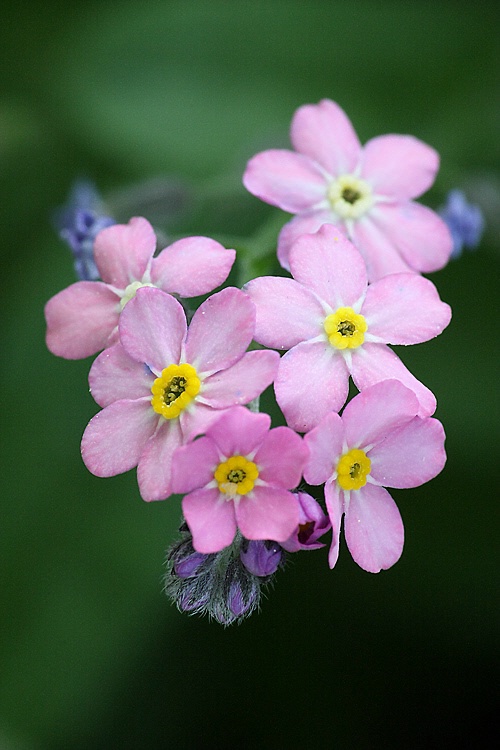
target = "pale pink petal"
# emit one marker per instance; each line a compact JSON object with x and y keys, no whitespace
{"x":122,"y":252}
{"x":114,"y":376}
{"x":220,"y":331}
{"x":192,"y":266}
{"x":242,"y":382}
{"x":334,"y":498}
{"x":405,"y":308}
{"x":197,"y":418}
{"x":372,"y":363}
{"x":325,"y":443}
{"x":373,"y":528}
{"x":287,"y":313}
{"x":115,"y":438}
{"x":409,"y":456}
{"x":239,"y":431}
{"x":281,"y":458}
{"x":211,"y":520}
{"x":154,"y":471}
{"x":377,"y":411}
{"x":304,"y":224}
{"x":379,"y":251}
{"x":312,"y":380}
{"x":80,"y":319}
{"x":399,"y":166}
{"x":330,"y":266}
{"x":267,"y":513}
{"x":419,"y":234}
{"x":285,"y":179}
{"x":324,"y":133}
{"x":193,"y":465}
{"x":152,"y":328}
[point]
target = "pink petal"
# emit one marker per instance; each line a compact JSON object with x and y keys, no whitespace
{"x":378,"y":250}
{"x":197,"y":418}
{"x":409,"y":456}
{"x":372,"y":363}
{"x":373,"y":528}
{"x":80,"y":319}
{"x":115,"y":376}
{"x":308,"y":223}
{"x":239,"y":431}
{"x":334,"y":498}
{"x":192,"y":266}
{"x":152,"y":328}
{"x":287,"y":313}
{"x":220,"y":331}
{"x":115,"y":438}
{"x":376,"y":412}
{"x":312,"y":380}
{"x":325,"y":443}
{"x":211,"y":520}
{"x":122,"y":252}
{"x":330,"y":266}
{"x":404,"y":308}
{"x":324,"y":133}
{"x":154,"y":471}
{"x":242,"y":382}
{"x":267,"y":513}
{"x":399,"y":166}
{"x":281,"y":458}
{"x":193,"y":465}
{"x":420,"y":235}
{"x":285,"y":179}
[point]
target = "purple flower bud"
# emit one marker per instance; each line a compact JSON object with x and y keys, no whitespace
{"x":78,"y":223}
{"x":240,"y":601}
{"x":313,"y":523}
{"x":465,"y":222}
{"x":188,"y":567}
{"x":261,"y":558}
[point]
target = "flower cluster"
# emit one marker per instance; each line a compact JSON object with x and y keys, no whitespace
{"x":179,"y":387}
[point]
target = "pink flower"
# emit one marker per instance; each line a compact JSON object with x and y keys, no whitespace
{"x":239,"y":476}
{"x":164,"y":383}
{"x":378,"y":442}
{"x":367,"y":192}
{"x":83,"y":319}
{"x":335,"y":325}
{"x":313,"y":523}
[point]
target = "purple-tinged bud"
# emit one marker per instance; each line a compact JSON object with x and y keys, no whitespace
{"x":465,"y":222}
{"x":241,"y":601}
{"x":313,"y":523}
{"x":194,"y":597}
{"x":261,"y":558}
{"x":78,"y":223}
{"x":188,"y":567}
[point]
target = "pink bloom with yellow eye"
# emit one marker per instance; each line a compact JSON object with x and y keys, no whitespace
{"x":378,"y":442}
{"x":367,"y":191}
{"x":164,"y":383}
{"x":335,"y":325}
{"x":239,"y":476}
{"x":83,"y":318}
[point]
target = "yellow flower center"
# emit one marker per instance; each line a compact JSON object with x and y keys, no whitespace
{"x":352,"y":469}
{"x":349,"y":196}
{"x":130,"y":292}
{"x":345,"y":328}
{"x":176,"y":387}
{"x":236,"y":476}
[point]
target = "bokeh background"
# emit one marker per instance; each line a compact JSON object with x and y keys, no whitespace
{"x":92,"y":654}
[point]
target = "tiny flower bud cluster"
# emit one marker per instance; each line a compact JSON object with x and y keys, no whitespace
{"x":177,"y":386}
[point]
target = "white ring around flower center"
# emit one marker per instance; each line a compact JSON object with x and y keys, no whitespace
{"x":130,"y":291}
{"x":349,"y":196}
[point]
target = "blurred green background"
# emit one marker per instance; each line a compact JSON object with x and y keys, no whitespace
{"x":92,"y":655}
